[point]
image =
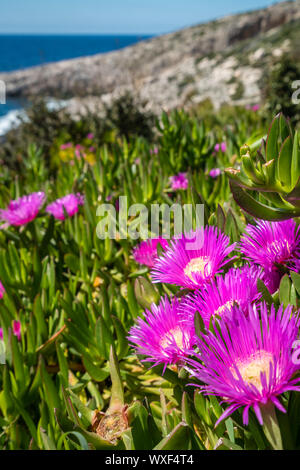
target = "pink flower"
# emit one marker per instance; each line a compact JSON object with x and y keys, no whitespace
{"x":154,"y":151}
{"x":69,"y":203}
{"x":162,"y":336}
{"x":22,"y":210}
{"x":215,"y":172}
{"x":66,"y":146}
{"x":16,"y":330}
{"x":271,"y":244}
{"x":254,"y":108}
{"x":222,"y":146}
{"x":90,"y":136}
{"x":238,"y":288}
{"x":193,"y":260}
{"x":179,"y":181}
{"x":248,"y":362}
{"x":2,"y":290}
{"x":146,"y":252}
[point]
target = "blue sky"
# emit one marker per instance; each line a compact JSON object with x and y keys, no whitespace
{"x":114,"y":16}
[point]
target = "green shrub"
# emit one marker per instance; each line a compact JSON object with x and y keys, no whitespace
{"x":278,"y":89}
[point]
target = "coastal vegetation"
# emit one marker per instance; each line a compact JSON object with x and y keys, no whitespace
{"x":150,"y":251}
{"x":73,"y":373}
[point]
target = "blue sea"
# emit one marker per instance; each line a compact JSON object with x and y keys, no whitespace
{"x":23,"y":51}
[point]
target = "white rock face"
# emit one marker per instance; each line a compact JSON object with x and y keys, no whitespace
{"x":185,"y":67}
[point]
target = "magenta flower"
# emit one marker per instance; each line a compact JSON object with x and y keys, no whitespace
{"x":2,"y":290}
{"x":249,"y":362}
{"x":16,"y":330}
{"x":256,"y":107}
{"x":238,"y":288}
{"x":179,"y":181}
{"x":194,"y":259}
{"x":154,"y":151}
{"x":90,"y":136}
{"x":22,"y":210}
{"x":221,"y":147}
{"x":273,"y":245}
{"x":162,"y":336}
{"x":146,"y":252}
{"x":215,"y":172}
{"x":66,"y":146}
{"x":69,"y":203}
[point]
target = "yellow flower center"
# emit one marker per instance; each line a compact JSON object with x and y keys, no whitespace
{"x":251,"y":368}
{"x":200,"y":265}
{"x":277,"y":246}
{"x":223,"y":308}
{"x":173,"y":335}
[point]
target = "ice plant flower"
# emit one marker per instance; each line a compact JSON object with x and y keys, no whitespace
{"x":221,"y":147}
{"x":194,"y":259}
{"x":238,"y":288}
{"x":179,"y":181}
{"x":154,"y":151}
{"x":215,"y":172}
{"x":2,"y":290}
{"x":146,"y":252}
{"x":22,"y":210}
{"x":66,"y":146}
{"x":162,"y":337}
{"x":16,"y":330}
{"x":69,"y":203}
{"x":273,"y":245}
{"x":249,"y":363}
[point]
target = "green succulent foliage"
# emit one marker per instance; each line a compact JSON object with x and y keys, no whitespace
{"x":76,"y":295}
{"x":277,"y":91}
{"x":72,"y":381}
{"x":267,"y":184}
{"x":184,"y":142}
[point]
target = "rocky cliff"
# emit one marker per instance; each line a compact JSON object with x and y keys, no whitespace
{"x":223,"y":60}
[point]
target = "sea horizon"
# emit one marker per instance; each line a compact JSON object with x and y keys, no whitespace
{"x":19,"y":51}
{"x":16,"y":56}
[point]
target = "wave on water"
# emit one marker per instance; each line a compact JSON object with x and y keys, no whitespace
{"x":13,"y":118}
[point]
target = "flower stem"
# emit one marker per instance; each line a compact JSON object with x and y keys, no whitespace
{"x":271,"y":427}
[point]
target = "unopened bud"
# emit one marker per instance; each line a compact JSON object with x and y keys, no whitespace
{"x":145,"y":293}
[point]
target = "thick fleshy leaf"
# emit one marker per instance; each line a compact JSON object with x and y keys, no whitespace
{"x":284,"y":165}
{"x":178,"y":439}
{"x":257,"y":209}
